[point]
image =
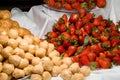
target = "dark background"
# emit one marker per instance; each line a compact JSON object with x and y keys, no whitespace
{"x":24,"y":5}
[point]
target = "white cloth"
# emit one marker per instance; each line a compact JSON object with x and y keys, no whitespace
{"x":39,"y":20}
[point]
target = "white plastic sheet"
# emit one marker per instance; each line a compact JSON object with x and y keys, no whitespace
{"x":39,"y":21}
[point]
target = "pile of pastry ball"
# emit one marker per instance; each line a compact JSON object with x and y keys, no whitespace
{"x":22,"y":54}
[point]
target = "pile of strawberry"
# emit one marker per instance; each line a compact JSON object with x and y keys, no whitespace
{"x":75,"y":4}
{"x":90,"y":41}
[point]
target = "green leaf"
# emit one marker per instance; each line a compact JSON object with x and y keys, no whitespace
{"x":95,"y":29}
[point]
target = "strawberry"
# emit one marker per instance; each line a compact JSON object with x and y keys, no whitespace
{"x":84,"y":60}
{"x":73,"y":17}
{"x":62,"y":28}
{"x":51,"y":3}
{"x":82,"y":12}
{"x":58,"y":5}
{"x":91,"y":56}
{"x":101,"y":3}
{"x":116,"y":60}
{"x":114,"y":42}
{"x":105,"y":63}
{"x":72,"y":29}
{"x":76,"y":5}
{"x":68,"y":6}
{"x":75,"y":58}
{"x":66,"y":43}
{"x":71,"y":50}
{"x":78,"y":24}
{"x":88,"y":28}
{"x":70,"y":1}
{"x":61,"y":49}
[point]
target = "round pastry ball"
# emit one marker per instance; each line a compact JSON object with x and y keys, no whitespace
{"x":63,"y":66}
{"x":29,"y":38}
{"x":35,"y":61}
{"x":6,"y":23}
{"x":15,"y":24}
{"x":8,"y":68}
{"x":29,"y":56}
{"x":50,"y":48}
{"x":55,"y":71}
{"x":77,"y":76}
{"x":28,"y":69}
{"x":32,"y":49}
{"x":40,"y":52}
{"x":1,"y":48}
{"x":13,"y":33}
{"x":24,"y":45}
{"x":38,"y":69}
{"x":18,"y":73}
{"x":57,"y":61}
{"x":53,"y":54}
{"x":48,"y":65}
{"x":66,"y":74}
{"x":3,"y":76}
{"x":20,"y":52}
{"x":7,"y":51}
{"x":13,"y":43}
{"x":3,"y":40}
{"x":74,"y":68}
{"x":23,"y":63}
{"x":35,"y":77}
{"x":67,"y":60}
{"x":85,"y":70}
{"x":44,"y":44}
{"x":14,"y":59}
{"x":5,"y":14}
{"x":46,"y":75}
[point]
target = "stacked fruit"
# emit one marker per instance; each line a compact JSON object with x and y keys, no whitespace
{"x":90,"y":41}
{"x":75,"y":4}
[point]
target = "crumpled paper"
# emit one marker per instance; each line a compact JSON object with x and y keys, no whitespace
{"x":40,"y":19}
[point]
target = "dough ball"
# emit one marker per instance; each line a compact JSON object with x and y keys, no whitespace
{"x":35,"y":61}
{"x":29,"y":57}
{"x":13,"y":33}
{"x":57,"y":61}
{"x":8,"y":68}
{"x":66,"y":74}
{"x":44,"y":44}
{"x":85,"y":70}
{"x":74,"y":68}
{"x":3,"y":40}
{"x":32,"y":49}
{"x":35,"y":77}
{"x":77,"y":76}
{"x":67,"y":60}
{"x":63,"y":66}
{"x":38,"y":69}
{"x":46,"y":75}
{"x":23,"y":63}
{"x":3,"y":76}
{"x":40,"y":52}
{"x":20,"y":52}
{"x":14,"y":59}
{"x":13,"y":43}
{"x":5,"y":14}
{"x":56,"y":71}
{"x":18,"y":73}
{"x":7,"y":51}
{"x":53,"y":54}
{"x":28,"y":69}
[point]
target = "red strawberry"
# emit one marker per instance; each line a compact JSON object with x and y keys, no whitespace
{"x":68,"y":6}
{"x":61,"y":49}
{"x":82,"y":12}
{"x":58,"y":5}
{"x":78,"y":24}
{"x":116,"y":59}
{"x":88,"y":28}
{"x":71,"y":50}
{"x":101,"y":3}
{"x":114,"y":42}
{"x":76,"y":5}
{"x":73,"y":17}
{"x":91,"y":56}
{"x":72,"y":29}
{"x":62,"y":28}
{"x":84,"y":60}
{"x":51,"y":3}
